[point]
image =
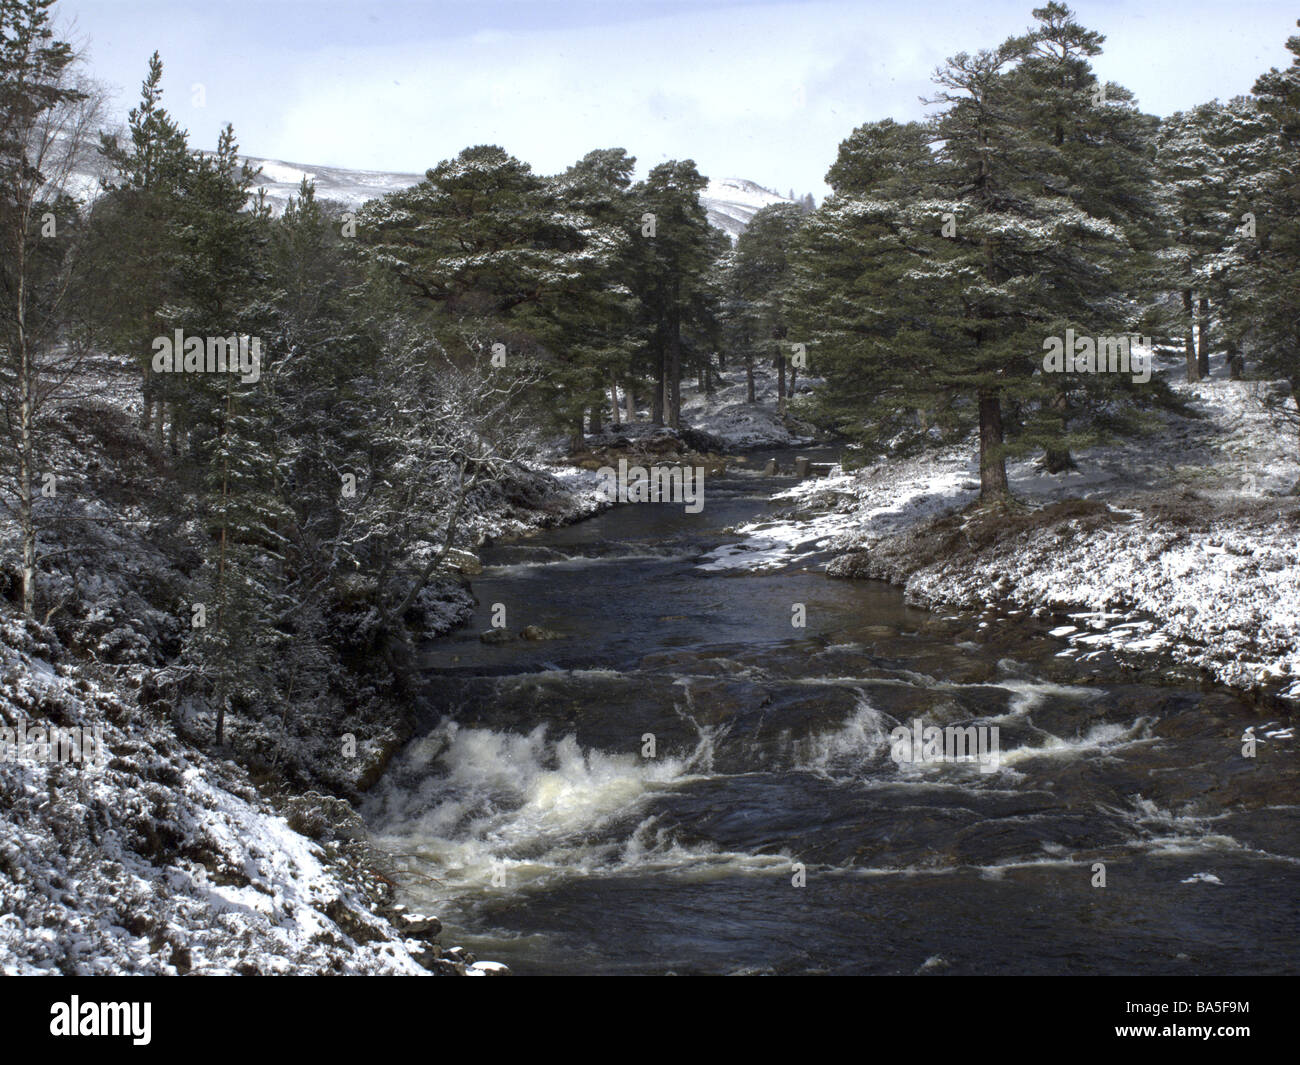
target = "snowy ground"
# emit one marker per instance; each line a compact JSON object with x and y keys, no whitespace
{"x":161,"y":860}
{"x":166,"y":860}
{"x":1187,"y":544}
{"x":727,"y":415}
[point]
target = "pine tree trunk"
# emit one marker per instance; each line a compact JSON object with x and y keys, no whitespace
{"x":675,"y":372}
{"x":594,"y":425}
{"x":1236,"y":364}
{"x":579,"y":440}
{"x":26,"y":460}
{"x":147,"y":393}
{"x":993,"y":464}
{"x":630,"y":392}
{"x":661,"y":389}
{"x":1203,"y":337}
{"x":221,"y":564}
{"x":1189,"y":345}
{"x":1058,"y":460}
{"x":780,"y":383}
{"x":749,"y":379}
{"x":613,"y":402}
{"x":26,"y":442}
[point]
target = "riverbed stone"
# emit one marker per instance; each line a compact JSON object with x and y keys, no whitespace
{"x":419,"y":925}
{"x":536,"y":632}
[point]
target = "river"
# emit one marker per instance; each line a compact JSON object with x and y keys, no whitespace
{"x":688,"y":783}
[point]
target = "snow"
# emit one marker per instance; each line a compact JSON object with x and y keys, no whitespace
{"x":162,"y":861}
{"x":729,"y":202}
{"x":1190,"y":552}
{"x":166,"y":859}
{"x":727,"y":415}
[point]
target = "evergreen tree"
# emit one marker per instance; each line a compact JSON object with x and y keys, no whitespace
{"x":942,"y":277}
{"x":132,"y":237}
{"x":44,"y":116}
{"x":1088,"y":144}
{"x":671,"y":256}
{"x":504,"y":267}
{"x":478,"y":243}
{"x":759,"y":278}
{"x":227,"y":423}
{"x":598,"y":319}
{"x":1209,"y":160}
{"x":1274,"y":290}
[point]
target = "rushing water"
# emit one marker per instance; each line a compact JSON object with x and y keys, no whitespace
{"x":527,"y":815}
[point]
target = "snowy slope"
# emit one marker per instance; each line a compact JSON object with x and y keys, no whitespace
{"x":349,"y":187}
{"x":161,"y":860}
{"x":730,"y":202}
{"x":1188,"y":549}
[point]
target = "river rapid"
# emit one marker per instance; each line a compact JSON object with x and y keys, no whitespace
{"x":687,"y":782}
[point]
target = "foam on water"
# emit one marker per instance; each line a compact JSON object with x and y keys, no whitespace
{"x":1105,"y":736}
{"x":502,"y":808}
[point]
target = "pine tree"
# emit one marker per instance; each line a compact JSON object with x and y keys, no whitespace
{"x":1088,"y":144}
{"x":44,"y":118}
{"x":1274,"y":289}
{"x":477,"y":241}
{"x":600,"y":332}
{"x":759,"y":278}
{"x":928,"y":284}
{"x":227,"y":422}
{"x":133,"y":230}
{"x":1209,"y":160}
{"x":672,"y":255}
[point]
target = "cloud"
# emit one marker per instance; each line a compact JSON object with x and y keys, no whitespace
{"x":760,"y":90}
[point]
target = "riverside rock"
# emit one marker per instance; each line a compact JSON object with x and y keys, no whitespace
{"x":536,"y":632}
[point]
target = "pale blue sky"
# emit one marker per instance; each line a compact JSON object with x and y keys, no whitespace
{"x":750,"y":89}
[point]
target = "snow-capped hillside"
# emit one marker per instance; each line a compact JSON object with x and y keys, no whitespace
{"x":730,"y":202}
{"x":350,"y":187}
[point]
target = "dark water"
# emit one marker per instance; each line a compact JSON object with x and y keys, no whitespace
{"x":528,"y":816}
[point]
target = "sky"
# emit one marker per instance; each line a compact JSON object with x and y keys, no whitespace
{"x":746,"y":88}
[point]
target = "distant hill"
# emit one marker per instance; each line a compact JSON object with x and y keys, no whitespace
{"x":731,"y":202}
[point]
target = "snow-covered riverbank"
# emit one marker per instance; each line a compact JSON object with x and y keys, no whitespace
{"x":166,"y":860}
{"x":1187,"y":548}
{"x":171,"y":857}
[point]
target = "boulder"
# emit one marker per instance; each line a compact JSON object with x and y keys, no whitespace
{"x":464,"y":562}
{"x":536,"y":632}
{"x":419,"y":925}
